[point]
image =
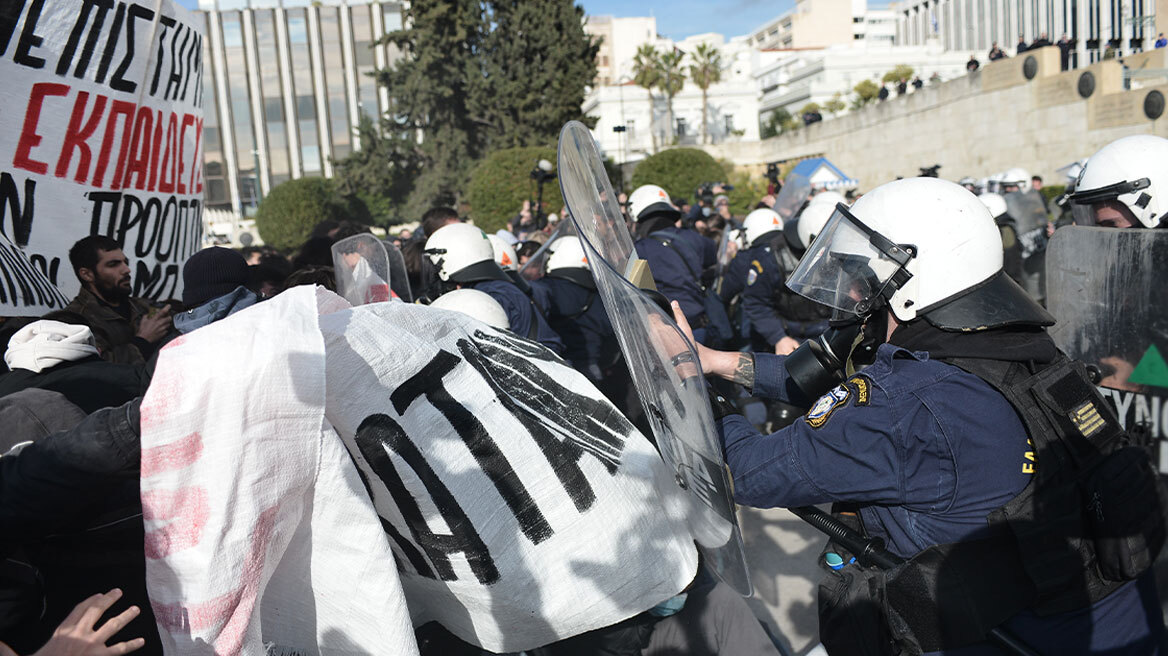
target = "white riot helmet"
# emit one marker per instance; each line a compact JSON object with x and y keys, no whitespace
{"x":567,"y":253}
{"x":474,"y":304}
{"x":994,"y":182}
{"x":505,"y":255}
{"x":462,"y":253}
{"x":830,"y":197}
{"x":1132,"y":172}
{"x":923,"y":247}
{"x":651,"y":200}
{"x":811,"y":221}
{"x":760,"y":222}
{"x":1014,"y":177}
{"x":994,"y":203}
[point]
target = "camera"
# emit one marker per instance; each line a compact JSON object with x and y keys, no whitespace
{"x":705,"y":192}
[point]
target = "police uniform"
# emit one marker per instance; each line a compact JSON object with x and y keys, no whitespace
{"x":928,"y":451}
{"x":525,"y":318}
{"x":774,"y":311}
{"x":676,"y":270}
{"x":576,"y":313}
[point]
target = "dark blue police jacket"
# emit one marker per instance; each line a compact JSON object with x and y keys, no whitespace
{"x":676,"y":269}
{"x":589,"y":339}
{"x":705,"y":247}
{"x":521,"y":312}
{"x":764,"y":279}
{"x":734,"y":276}
{"x":933,"y":450}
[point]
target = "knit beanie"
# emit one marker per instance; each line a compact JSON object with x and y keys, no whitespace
{"x":211,"y":273}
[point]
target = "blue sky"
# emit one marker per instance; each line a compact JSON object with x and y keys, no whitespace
{"x":678,"y":19}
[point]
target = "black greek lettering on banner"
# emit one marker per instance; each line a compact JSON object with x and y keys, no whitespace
{"x":563,"y":455}
{"x":20,"y":279}
{"x":428,"y":383}
{"x":12,"y":210}
{"x":407,"y":548}
{"x":593,"y":424}
{"x":374,"y":435}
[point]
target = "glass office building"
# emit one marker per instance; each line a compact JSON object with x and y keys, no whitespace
{"x":286,"y":82}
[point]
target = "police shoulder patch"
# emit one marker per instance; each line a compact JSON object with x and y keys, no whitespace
{"x":862,"y":388}
{"x":751,"y":276}
{"x":822,"y":409}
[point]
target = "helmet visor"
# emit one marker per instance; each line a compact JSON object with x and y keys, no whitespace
{"x":1102,"y":206}
{"x":849,"y":266}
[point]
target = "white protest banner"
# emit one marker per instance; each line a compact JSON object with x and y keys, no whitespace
{"x":517,"y":506}
{"x":260,"y":537}
{"x":25,"y":291}
{"x":102,"y":134}
{"x":523,"y":508}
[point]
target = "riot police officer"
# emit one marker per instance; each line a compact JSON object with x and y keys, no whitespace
{"x":1124,"y":185}
{"x":779,"y":318}
{"x":675,"y":265}
{"x":964,"y":445}
{"x":1008,"y":227}
{"x":464,"y":258}
{"x":577,"y":312}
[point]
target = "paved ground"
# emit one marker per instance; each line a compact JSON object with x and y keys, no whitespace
{"x":781,"y":551}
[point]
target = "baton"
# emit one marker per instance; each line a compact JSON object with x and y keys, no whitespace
{"x":871,"y":551}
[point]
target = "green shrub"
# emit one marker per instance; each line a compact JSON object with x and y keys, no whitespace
{"x":1051,"y":192}
{"x":500,"y":183}
{"x":680,"y":171}
{"x":288,"y":213}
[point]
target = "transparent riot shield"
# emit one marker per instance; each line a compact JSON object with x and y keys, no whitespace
{"x":662,"y":362}
{"x":796,"y":189}
{"x":1027,"y":209}
{"x":399,"y":280}
{"x":1105,"y":287}
{"x":361,"y":269}
{"x":533,"y":269}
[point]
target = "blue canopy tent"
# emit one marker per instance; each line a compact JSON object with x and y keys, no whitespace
{"x":822,"y":174}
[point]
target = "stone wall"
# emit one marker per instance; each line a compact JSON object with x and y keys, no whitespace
{"x":1015,"y":112}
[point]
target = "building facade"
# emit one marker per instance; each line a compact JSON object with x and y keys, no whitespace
{"x":825,"y":23}
{"x":287,"y":83}
{"x":619,"y":40}
{"x":1094,"y":25}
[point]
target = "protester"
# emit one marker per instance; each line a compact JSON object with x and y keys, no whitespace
{"x":1021,"y":47}
{"x":1041,"y":42}
{"x":973,"y":64}
{"x":1161,"y":41}
{"x":214,"y":287}
{"x":1065,"y":46}
{"x":996,"y":53}
{"x":126,"y":329}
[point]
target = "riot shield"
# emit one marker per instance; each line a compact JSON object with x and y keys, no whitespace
{"x":399,"y":280}
{"x":796,"y":189}
{"x":533,"y":268}
{"x":1027,"y":209}
{"x":661,"y":361}
{"x":1105,"y":287}
{"x":361,"y":269}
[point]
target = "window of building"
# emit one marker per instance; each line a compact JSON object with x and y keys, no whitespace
{"x":630,"y":129}
{"x":728,"y":123}
{"x":302,"y":88}
{"x":680,"y":127}
{"x":279,"y":165}
{"x":240,"y":106}
{"x":858,"y":37}
{"x":857,"y":19}
{"x":334,"y":76}
{"x":366,"y":65}
{"x":215,"y":194}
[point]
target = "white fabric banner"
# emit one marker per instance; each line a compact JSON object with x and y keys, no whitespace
{"x":25,"y":291}
{"x":102,"y":134}
{"x":515,"y":503}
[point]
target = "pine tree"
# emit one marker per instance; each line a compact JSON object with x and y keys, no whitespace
{"x":537,"y":61}
{"x":705,"y":71}
{"x":430,"y":130}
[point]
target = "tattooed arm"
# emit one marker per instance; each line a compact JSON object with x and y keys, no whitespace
{"x":733,"y":366}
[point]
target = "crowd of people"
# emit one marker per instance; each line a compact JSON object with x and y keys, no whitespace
{"x":897,"y":336}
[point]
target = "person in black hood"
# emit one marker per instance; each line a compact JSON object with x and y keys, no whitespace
{"x":969,"y":444}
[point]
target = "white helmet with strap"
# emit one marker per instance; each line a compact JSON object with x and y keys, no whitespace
{"x":922,"y":247}
{"x":994,"y":203}
{"x":649,"y":200}
{"x":567,"y":253}
{"x":505,"y":255}
{"x":1127,"y":175}
{"x":760,"y":222}
{"x":462,"y":253}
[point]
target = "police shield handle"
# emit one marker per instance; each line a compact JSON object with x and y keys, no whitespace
{"x":641,"y":276}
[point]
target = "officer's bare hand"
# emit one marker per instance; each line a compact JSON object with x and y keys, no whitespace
{"x":734,"y":366}
{"x":77,"y":635}
{"x":154,"y":328}
{"x":769,"y":200}
{"x":786,"y":345}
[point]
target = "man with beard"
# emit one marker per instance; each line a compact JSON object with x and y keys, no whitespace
{"x":127,"y":330}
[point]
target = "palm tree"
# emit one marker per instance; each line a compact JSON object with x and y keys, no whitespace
{"x":705,"y":71}
{"x":646,"y":69}
{"x":670,"y":80}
